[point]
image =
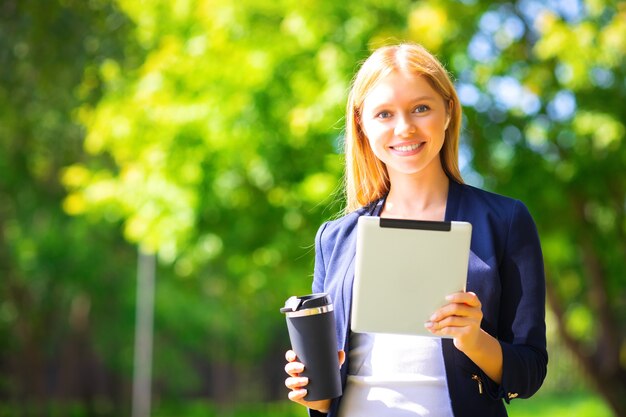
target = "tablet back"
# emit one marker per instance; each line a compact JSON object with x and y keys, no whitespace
{"x":403,"y":271}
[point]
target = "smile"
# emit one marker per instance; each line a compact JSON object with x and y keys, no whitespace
{"x":407,"y":148}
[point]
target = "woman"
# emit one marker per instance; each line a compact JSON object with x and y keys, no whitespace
{"x":402,"y":135}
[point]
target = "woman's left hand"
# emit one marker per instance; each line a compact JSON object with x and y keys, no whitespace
{"x":460,"y":319}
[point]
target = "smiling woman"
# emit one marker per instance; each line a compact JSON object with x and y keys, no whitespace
{"x":402,"y":139}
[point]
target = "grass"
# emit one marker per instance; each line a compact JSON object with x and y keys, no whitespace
{"x":205,"y":409}
{"x":582,"y":404}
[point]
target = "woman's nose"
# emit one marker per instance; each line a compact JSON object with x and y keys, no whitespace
{"x":405,"y":126}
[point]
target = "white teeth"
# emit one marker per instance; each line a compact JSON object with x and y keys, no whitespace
{"x":407,"y":148}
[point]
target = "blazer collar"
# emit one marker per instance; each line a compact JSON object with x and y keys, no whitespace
{"x":454,"y":200}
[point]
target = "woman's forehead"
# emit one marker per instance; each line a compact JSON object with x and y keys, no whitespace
{"x":400,"y":86}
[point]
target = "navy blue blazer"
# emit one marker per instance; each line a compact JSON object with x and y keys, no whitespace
{"x":505,"y":271}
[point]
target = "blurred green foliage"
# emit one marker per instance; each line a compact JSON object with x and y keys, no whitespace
{"x":210,"y":133}
{"x":66,"y":303}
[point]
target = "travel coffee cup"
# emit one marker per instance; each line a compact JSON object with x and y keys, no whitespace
{"x":311,"y":325}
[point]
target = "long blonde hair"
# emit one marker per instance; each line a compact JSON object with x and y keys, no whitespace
{"x":366,"y":178}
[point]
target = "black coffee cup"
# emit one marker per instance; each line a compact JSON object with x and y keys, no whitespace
{"x":311,"y":325}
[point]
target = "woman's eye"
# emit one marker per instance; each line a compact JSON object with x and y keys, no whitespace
{"x":421,"y":108}
{"x":383,"y":115}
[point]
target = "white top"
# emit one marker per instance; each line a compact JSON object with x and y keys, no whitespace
{"x":395,"y":375}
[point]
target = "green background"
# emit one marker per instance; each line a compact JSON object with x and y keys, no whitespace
{"x":209,"y":133}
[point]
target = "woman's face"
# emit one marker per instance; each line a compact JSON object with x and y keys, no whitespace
{"x":405,"y":121}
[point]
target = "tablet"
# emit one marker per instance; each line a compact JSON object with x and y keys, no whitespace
{"x":403,"y":271}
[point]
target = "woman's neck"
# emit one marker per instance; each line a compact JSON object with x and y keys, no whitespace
{"x":417,"y":197}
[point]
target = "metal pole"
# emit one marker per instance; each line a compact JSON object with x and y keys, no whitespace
{"x":142,"y":372}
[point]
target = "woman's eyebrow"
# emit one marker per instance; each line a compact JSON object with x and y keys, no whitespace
{"x":389,"y":103}
{"x":412,"y":100}
{"x":422,"y":98}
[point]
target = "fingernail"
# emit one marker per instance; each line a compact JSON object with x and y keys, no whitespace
{"x":449,"y":297}
{"x":428,"y":324}
{"x":433,"y":317}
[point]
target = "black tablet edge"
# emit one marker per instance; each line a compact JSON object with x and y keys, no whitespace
{"x":415,"y":224}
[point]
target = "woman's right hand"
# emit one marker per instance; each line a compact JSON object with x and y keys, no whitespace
{"x":297,"y":384}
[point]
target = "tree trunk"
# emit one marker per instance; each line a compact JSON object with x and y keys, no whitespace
{"x":610,"y":384}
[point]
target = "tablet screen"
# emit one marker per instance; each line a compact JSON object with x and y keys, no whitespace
{"x":403,"y":271}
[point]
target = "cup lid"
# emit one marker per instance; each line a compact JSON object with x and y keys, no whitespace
{"x":295,"y":303}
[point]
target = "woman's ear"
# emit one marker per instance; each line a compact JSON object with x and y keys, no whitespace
{"x":449,"y":112}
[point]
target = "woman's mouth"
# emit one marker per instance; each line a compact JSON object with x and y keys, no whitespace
{"x":407,"y":148}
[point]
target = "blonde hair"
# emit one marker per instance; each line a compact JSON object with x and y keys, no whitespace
{"x":366,"y":178}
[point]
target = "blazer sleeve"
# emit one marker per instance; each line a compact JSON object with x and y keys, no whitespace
{"x":521,"y":326}
{"x":319,"y":270}
{"x":319,"y":275}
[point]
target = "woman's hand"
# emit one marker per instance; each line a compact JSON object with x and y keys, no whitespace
{"x":297,"y":384}
{"x":460,"y":319}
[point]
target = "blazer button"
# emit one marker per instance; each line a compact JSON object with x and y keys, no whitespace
{"x":512,"y":395}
